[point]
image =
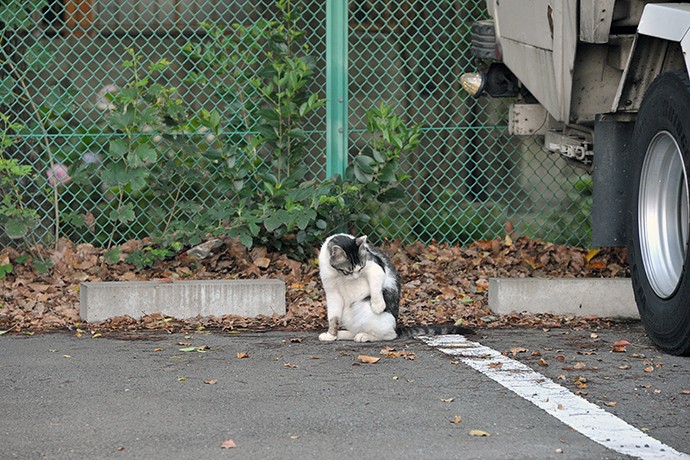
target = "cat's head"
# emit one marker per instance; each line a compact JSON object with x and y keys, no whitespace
{"x":347,"y":254}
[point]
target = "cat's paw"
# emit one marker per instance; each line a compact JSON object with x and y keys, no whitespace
{"x":327,"y":337}
{"x":363,"y":337}
{"x":378,"y":305}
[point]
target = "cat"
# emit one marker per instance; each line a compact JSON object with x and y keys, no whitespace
{"x":363,"y":293}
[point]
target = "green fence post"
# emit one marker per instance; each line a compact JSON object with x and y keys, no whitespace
{"x":336,"y":87}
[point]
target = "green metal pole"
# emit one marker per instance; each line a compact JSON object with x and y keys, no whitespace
{"x":336,"y":87}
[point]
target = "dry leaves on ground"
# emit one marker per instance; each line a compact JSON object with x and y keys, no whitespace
{"x":442,"y":284}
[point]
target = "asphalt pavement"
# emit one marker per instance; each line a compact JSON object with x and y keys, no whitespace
{"x":286,"y":395}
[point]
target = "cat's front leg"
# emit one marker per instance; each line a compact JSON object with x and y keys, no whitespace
{"x":332,"y":334}
{"x":377,"y":304}
{"x":375,"y":279}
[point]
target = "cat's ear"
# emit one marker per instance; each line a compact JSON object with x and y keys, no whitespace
{"x":362,"y":248}
{"x":337,"y":253}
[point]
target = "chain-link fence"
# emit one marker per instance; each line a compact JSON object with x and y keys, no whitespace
{"x":69,"y":65}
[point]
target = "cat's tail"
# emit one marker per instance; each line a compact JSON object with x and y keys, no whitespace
{"x":436,"y":329}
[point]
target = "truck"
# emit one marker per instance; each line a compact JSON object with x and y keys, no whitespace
{"x":605,"y":82}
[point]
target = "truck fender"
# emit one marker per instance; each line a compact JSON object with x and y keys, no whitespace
{"x":659,"y":26}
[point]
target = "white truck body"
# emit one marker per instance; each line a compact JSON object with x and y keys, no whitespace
{"x":606,"y":83}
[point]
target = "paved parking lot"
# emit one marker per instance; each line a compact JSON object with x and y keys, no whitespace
{"x":287,"y":395}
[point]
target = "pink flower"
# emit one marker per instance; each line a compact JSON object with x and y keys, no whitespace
{"x":90,"y":158}
{"x":58,"y":175}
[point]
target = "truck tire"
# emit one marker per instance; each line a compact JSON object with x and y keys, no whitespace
{"x":658,"y":225}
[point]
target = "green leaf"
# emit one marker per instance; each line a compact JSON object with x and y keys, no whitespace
{"x":118,"y":149}
{"x":4,"y":271}
{"x":392,"y":194}
{"x":362,"y":177}
{"x":42,"y":266}
{"x":275,"y":220}
{"x":20,"y":226}
{"x":112,"y":256}
{"x":246,"y":240}
{"x":138,"y":177}
{"x":141,"y":156}
{"x":388,"y":172}
{"x":364,"y":164}
{"x":305,"y":218}
{"x":124,"y":214}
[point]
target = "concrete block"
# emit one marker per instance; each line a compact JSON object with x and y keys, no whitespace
{"x":181,"y":299}
{"x":603,"y":297}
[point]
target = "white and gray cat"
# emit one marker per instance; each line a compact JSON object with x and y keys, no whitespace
{"x":363,"y":293}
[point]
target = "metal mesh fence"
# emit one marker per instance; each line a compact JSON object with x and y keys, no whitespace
{"x":63,"y":62}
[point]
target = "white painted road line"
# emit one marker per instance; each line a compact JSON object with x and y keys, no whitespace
{"x":576,"y":412}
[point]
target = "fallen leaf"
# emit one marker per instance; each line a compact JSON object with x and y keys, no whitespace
{"x":592,"y":253}
{"x":496,"y":365}
{"x":657,"y":392}
{"x":479,"y":433}
{"x":685,"y":392}
{"x":187,"y":349}
{"x":296,"y":340}
{"x":262,"y":262}
{"x":456,"y":419}
{"x":242,"y":355}
{"x":228,"y":444}
{"x":611,"y":404}
{"x":368,"y":359}
{"x":593,"y":335}
{"x":387,"y":350}
{"x":624,"y":367}
{"x":560,"y":407}
{"x":290,"y":365}
{"x":649,"y":369}
{"x":447,"y":400}
{"x":543,"y":362}
{"x":210,"y":382}
{"x":182,"y":379}
{"x":619,"y":346}
{"x":397,"y":354}
{"x":156,"y":350}
{"x":516,"y":350}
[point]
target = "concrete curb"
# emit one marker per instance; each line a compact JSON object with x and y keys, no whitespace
{"x":603,"y":297}
{"x":181,"y":299}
